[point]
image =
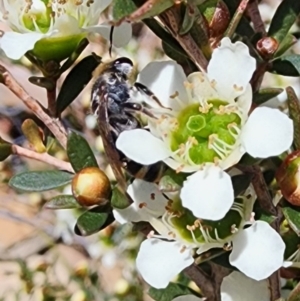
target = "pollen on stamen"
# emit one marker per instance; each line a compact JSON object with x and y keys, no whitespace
{"x":193,"y":140}
{"x":179,"y":168}
{"x":213,"y":83}
{"x":174,"y":95}
{"x":233,"y":229}
{"x":216,"y":161}
{"x":204,"y":108}
{"x":227,"y":247}
{"x":198,"y":223}
{"x":142,"y":205}
{"x":238,"y":88}
{"x":188,"y":85}
{"x":191,"y":228}
{"x":172,"y":234}
{"x":183,"y":249}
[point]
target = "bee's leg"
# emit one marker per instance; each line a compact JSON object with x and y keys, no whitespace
{"x":131,"y":106}
{"x":142,"y":88}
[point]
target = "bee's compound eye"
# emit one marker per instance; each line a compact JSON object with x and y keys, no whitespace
{"x":123,"y":65}
{"x":123,"y":60}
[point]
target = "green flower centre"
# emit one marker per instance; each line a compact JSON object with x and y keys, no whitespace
{"x":40,"y":15}
{"x":209,"y":135}
{"x":194,"y":230}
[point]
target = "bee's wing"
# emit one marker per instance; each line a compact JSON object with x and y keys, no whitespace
{"x":112,"y":154}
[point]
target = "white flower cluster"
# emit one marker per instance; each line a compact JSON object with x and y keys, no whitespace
{"x":205,"y":125}
{"x":34,"y":20}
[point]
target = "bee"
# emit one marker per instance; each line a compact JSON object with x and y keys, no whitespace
{"x":116,"y":109}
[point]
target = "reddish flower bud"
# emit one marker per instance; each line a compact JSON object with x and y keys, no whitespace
{"x":267,"y":47}
{"x":91,"y":187}
{"x":288,"y":178}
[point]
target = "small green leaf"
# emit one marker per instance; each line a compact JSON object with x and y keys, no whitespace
{"x":40,"y":180}
{"x":119,"y":200}
{"x":240,"y":183}
{"x":5,"y":149}
{"x":286,"y":44}
{"x":76,"y":80}
{"x":265,"y":94}
{"x":288,"y":65}
{"x":292,"y":241}
{"x":188,"y":20}
{"x":154,"y":8}
{"x":94,"y":220}
{"x":62,"y":202}
{"x":285,"y":16}
{"x":122,"y":8}
{"x":80,"y":153}
{"x":294,"y":112}
{"x":292,"y":215}
{"x":172,"y":291}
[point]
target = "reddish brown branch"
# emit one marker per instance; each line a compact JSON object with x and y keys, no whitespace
{"x":171,"y":19}
{"x":42,"y":157}
{"x":253,"y":12}
{"x":54,"y":125}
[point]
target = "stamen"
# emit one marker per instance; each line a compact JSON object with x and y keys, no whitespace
{"x":238,"y":88}
{"x":227,"y":246}
{"x":222,"y":148}
{"x":183,"y":249}
{"x":233,"y":229}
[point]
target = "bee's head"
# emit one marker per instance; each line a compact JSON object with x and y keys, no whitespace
{"x":124,"y":66}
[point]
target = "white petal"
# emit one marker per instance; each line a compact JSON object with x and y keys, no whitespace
{"x":208,"y":193}
{"x":121,"y":34}
{"x":160,"y":261}
{"x":147,"y":193}
{"x":129,"y":214}
{"x":164,"y":79}
{"x":15,"y":44}
{"x":238,"y":287}
{"x":201,"y":87}
{"x":257,"y":251}
{"x":268,"y":132}
{"x":233,"y":158}
{"x":178,"y":165}
{"x":66,"y":25}
{"x":187,"y":298}
{"x":231,"y":68}
{"x":142,"y":147}
{"x":244,"y":101}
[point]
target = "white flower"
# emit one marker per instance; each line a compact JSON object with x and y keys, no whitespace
{"x":205,"y":126}
{"x":36,"y":20}
{"x":238,"y":287}
{"x":257,"y":250}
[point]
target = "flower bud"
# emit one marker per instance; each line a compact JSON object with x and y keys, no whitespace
{"x":267,"y":47}
{"x":288,"y":178}
{"x":91,"y":187}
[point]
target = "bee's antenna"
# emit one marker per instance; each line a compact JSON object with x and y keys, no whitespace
{"x":111,"y":39}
